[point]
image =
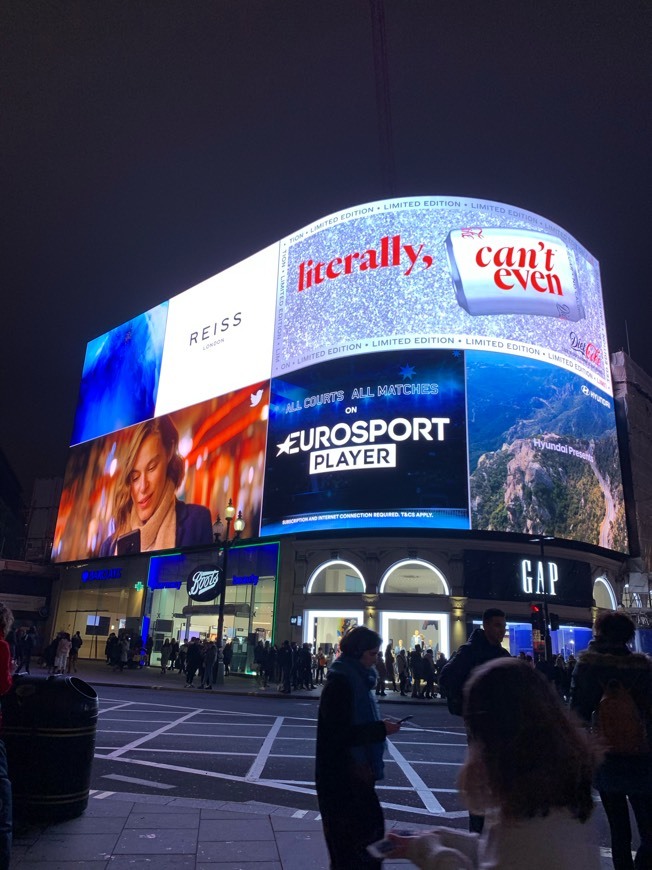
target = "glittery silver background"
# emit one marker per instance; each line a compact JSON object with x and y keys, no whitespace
{"x":384,"y":302}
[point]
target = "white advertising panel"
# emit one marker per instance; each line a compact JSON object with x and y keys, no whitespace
{"x":219,"y":334}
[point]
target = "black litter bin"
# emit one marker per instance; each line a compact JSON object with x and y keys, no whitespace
{"x":49,"y":726}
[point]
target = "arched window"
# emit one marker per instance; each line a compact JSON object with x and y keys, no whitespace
{"x":335,"y":576}
{"x":603,"y":594}
{"x":414,"y":577}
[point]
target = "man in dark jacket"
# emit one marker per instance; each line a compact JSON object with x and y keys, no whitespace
{"x":484,"y":645}
{"x":624,"y":775}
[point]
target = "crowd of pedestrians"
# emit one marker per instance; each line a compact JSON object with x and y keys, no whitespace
{"x":532,"y":764}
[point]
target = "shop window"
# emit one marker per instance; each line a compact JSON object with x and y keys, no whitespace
{"x":603,"y":594}
{"x":414,"y":577}
{"x":336,"y":576}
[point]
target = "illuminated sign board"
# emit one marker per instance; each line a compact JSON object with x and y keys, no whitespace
{"x":508,"y":577}
{"x":431,"y":363}
{"x":204,"y":583}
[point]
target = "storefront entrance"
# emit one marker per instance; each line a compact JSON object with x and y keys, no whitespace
{"x":325,"y":628}
{"x":405,"y":630}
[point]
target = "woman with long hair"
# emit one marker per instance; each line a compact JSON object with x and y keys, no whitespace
{"x":147,"y":513}
{"x":528,"y":769}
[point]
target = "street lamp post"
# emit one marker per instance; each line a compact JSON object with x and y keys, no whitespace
{"x":238,"y":526}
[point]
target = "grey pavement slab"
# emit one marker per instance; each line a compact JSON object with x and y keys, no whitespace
{"x":50,"y":864}
{"x":240,"y":865}
{"x":302,"y":849}
{"x":238,"y":851}
{"x":156,"y":862}
{"x":54,"y":847}
{"x":155,"y":840}
{"x":248,"y":830}
{"x":183,"y":819}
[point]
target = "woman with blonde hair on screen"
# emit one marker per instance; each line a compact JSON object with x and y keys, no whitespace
{"x":147,"y":513}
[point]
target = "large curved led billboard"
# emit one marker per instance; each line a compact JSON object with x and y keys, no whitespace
{"x":432,"y":363}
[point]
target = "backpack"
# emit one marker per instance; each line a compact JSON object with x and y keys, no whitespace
{"x":451,"y":681}
{"x":618,"y":721}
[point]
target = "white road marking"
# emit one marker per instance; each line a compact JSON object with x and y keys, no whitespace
{"x":299,"y":814}
{"x":102,"y":795}
{"x":378,"y":787}
{"x":430,"y":802}
{"x":226,"y":718}
{"x":116,"y":707}
{"x":118,"y":752}
{"x":265,"y":751}
{"x":193,"y":752}
{"x":426,"y":743}
{"x":121,"y":731}
{"x":134,"y":781}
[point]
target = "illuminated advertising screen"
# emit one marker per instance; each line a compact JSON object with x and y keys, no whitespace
{"x":375,"y":440}
{"x":426,"y":363}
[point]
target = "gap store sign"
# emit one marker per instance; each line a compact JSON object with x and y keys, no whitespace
{"x":510,"y":577}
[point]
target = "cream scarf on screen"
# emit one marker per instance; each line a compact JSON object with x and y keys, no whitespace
{"x":160,"y":530}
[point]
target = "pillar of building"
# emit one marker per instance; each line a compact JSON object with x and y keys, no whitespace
{"x":458,"y":621}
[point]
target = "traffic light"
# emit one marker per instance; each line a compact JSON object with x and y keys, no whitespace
{"x":537,"y":618}
{"x":554,"y":622}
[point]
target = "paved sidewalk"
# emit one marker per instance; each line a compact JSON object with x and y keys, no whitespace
{"x":121,"y":831}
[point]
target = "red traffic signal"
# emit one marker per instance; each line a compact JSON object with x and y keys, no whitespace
{"x":536,"y":616}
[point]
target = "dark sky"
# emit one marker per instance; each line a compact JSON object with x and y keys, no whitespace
{"x":147,"y":144}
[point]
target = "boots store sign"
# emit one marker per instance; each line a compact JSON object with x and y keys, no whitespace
{"x":204,"y":583}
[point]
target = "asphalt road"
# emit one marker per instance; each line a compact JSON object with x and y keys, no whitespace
{"x":253,"y":749}
{"x":257,"y":749}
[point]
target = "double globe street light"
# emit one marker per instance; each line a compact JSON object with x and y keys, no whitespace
{"x":226,"y":542}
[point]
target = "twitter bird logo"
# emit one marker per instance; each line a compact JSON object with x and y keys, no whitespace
{"x":256,"y":397}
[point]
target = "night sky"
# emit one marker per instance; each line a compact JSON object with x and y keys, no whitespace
{"x":148,"y":144}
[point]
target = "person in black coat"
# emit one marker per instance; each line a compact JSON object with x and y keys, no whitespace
{"x":623,"y":776}
{"x":349,"y":760}
{"x":194,"y":660}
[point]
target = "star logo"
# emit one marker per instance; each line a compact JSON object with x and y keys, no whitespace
{"x":285,"y":446}
{"x":407,"y":372}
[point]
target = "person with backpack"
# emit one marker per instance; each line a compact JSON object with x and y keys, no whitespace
{"x":611,"y":690}
{"x":485,"y":644}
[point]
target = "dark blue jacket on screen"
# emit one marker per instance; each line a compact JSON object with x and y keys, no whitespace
{"x":194,"y":527}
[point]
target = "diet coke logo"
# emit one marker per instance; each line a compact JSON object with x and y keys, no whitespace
{"x":587,"y":349}
{"x":204,"y":583}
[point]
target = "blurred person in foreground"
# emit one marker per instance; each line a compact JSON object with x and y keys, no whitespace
{"x":6,"y":819}
{"x":528,"y":770}
{"x":625,"y":776}
{"x":145,"y":502}
{"x":484,"y":645}
{"x":350,"y":744}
